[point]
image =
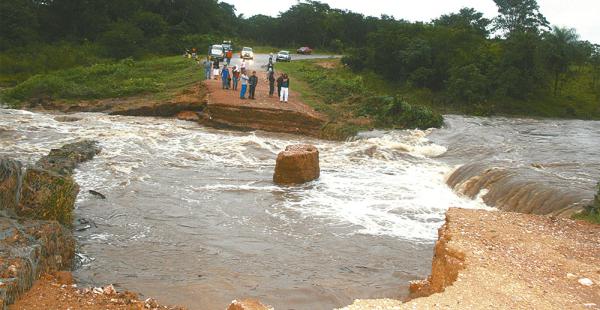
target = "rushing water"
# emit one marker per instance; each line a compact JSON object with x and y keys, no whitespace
{"x":193,"y":218}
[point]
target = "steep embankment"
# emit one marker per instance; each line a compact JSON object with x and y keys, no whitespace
{"x":225,"y":109}
{"x":36,"y":211}
{"x":191,"y":99}
{"x":526,"y":262}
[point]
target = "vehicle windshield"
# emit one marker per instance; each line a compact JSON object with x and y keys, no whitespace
{"x":284,"y":52}
{"x":247,"y":49}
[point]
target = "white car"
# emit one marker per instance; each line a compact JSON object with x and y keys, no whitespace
{"x":247,"y":53}
{"x":284,"y":56}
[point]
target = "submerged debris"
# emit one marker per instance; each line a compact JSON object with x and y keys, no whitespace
{"x":97,"y":194}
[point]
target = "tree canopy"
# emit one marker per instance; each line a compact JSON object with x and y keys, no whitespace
{"x":463,"y":55}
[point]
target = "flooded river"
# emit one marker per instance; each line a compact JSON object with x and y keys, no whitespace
{"x":193,"y":218}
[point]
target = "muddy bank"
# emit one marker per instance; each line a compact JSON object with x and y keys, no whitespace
{"x":191,"y":99}
{"x":226,"y":110}
{"x":504,"y":260}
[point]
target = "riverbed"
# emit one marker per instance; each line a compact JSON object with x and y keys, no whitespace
{"x":192,"y":217}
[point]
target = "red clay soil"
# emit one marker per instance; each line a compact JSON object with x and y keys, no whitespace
{"x":58,"y":292}
{"x":504,"y":260}
{"x":226,"y":109}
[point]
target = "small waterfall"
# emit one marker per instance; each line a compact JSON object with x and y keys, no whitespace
{"x":517,"y":190}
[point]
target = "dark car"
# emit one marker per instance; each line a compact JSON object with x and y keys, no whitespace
{"x":304,"y":50}
{"x":284,"y":56}
{"x":227,"y":46}
{"x":216,"y":52}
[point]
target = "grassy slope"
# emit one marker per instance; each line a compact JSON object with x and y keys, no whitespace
{"x":158,"y":77}
{"x":353,"y":102}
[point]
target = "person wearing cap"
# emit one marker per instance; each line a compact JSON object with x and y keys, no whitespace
{"x":235,"y":77}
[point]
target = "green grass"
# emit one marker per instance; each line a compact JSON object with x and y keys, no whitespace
{"x":593,"y":218}
{"x":158,"y":77}
{"x":352,"y":101}
{"x":591,"y":213}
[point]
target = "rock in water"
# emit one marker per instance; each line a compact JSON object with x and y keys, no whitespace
{"x":67,"y":119}
{"x":248,"y":304}
{"x":188,"y":116}
{"x":297,"y":164}
{"x":10,"y":183}
{"x":47,"y":195}
{"x":97,"y":194}
{"x":64,"y":160}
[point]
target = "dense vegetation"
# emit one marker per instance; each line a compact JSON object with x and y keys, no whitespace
{"x":513,"y":64}
{"x":354,"y":102}
{"x":530,"y":69}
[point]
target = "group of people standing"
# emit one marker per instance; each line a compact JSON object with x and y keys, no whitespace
{"x":230,"y":78}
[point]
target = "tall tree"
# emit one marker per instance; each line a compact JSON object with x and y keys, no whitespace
{"x":518,"y":16}
{"x":562,"y":44}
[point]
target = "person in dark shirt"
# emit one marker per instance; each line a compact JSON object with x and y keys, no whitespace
{"x":216,"y":69}
{"x":271,"y":79}
{"x":253,"y":81}
{"x":279,"y":81}
{"x":285,"y":89}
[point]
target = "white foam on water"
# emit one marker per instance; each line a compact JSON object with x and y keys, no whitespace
{"x":386,"y":185}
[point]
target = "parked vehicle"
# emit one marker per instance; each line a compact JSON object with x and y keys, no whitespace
{"x":217,"y":52}
{"x":247,"y":53}
{"x":227,"y":46}
{"x":284,"y":56}
{"x":305,"y":50}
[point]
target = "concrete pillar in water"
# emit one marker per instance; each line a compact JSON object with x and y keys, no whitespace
{"x":297,"y":164}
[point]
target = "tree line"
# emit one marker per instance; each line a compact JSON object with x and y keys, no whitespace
{"x":462,"y":55}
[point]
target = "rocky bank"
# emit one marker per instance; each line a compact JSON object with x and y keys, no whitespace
{"x":36,"y":213}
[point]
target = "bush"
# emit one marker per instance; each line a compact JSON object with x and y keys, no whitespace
{"x":591,"y":213}
{"x":396,"y":112}
{"x":18,"y":64}
{"x":356,"y":59}
{"x":122,"y":40}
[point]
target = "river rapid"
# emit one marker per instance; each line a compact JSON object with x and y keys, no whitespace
{"x":192,"y":216}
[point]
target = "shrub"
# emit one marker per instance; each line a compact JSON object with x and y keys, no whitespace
{"x":396,"y":112}
{"x":591,"y":213}
{"x":122,"y":40}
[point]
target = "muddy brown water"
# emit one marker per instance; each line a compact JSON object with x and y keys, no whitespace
{"x":192,"y":217}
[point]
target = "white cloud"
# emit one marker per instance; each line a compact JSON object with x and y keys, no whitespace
{"x":579,"y":14}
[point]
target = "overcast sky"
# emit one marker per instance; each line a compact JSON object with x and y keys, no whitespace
{"x":582,"y":15}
